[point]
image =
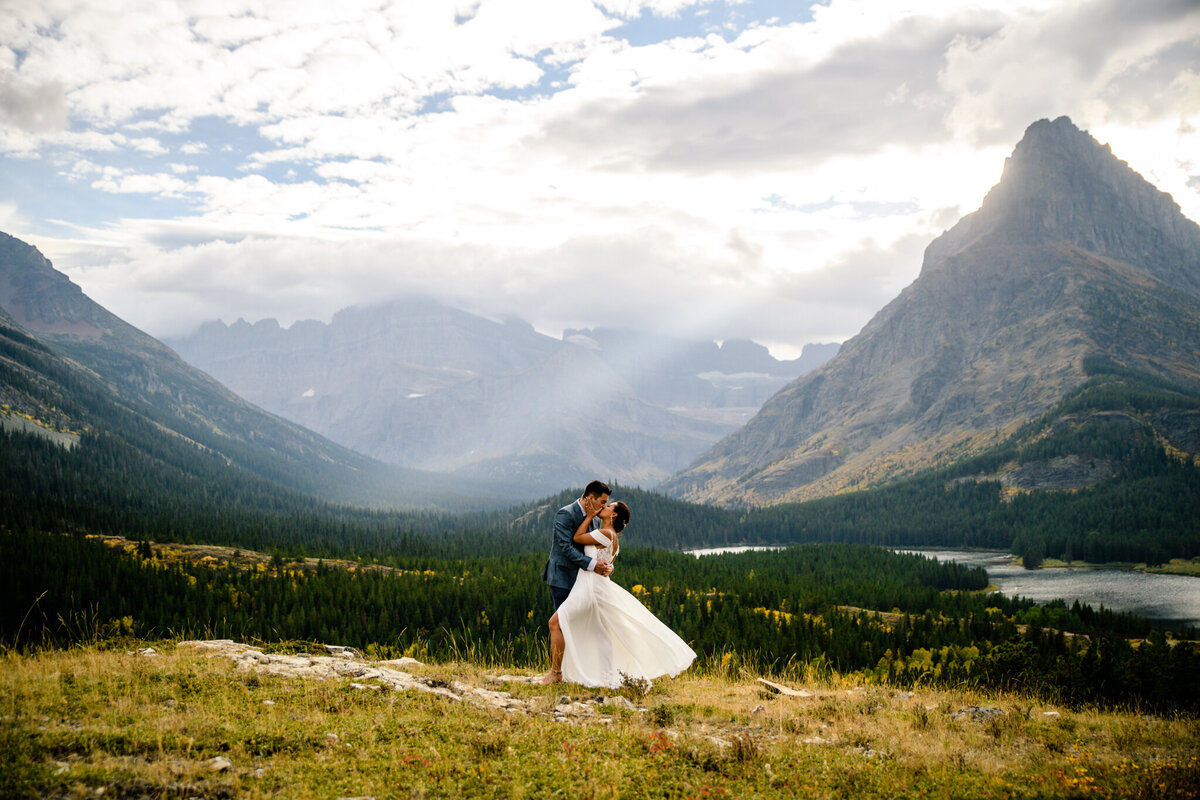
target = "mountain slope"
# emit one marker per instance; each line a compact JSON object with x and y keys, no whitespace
{"x":1071,"y":256}
{"x":70,"y":365}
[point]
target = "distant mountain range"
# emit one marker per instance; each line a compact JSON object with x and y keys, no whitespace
{"x":70,"y":369}
{"x":428,"y":404}
{"x":419,"y":384}
{"x":1073,"y":267}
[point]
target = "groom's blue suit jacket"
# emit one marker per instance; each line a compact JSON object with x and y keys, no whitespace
{"x":566,"y":557}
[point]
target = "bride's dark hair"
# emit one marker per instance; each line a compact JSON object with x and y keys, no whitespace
{"x":620,"y":516}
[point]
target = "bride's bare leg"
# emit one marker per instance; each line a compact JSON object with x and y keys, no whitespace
{"x":557,"y":645}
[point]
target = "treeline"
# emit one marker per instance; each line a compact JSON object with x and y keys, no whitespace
{"x":812,"y":604}
{"x":128,"y":478}
{"x":1147,"y":511}
{"x":127,"y":486}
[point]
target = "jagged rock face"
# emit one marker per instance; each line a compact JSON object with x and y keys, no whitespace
{"x":1060,"y":185}
{"x":1071,"y":255}
{"x":44,"y":301}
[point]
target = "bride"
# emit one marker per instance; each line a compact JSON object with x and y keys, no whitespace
{"x":609,"y":634}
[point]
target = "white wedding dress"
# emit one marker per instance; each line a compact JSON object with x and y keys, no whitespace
{"x":610,"y":635}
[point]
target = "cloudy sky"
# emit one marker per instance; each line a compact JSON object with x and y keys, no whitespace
{"x":762,"y":169}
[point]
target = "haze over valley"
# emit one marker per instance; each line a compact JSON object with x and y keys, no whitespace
{"x":421,"y":385}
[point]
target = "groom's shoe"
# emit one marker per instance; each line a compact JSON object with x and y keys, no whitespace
{"x":551,"y":677}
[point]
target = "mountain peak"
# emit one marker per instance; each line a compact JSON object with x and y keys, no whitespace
{"x":1054,"y":160}
{"x":1047,"y":134}
{"x":1073,"y":256}
{"x":1061,"y":185}
{"x":42,"y":299}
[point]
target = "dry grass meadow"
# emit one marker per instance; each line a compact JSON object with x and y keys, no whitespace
{"x":95,"y":722}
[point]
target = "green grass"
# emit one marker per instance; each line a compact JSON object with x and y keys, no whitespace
{"x":73,"y":722}
{"x":1176,"y":566}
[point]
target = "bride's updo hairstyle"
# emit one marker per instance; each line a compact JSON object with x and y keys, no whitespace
{"x":620,"y":516}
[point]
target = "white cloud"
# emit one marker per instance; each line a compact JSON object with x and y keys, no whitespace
{"x":160,"y":184}
{"x":778,"y":183}
{"x":1104,"y":61}
{"x":35,"y":107}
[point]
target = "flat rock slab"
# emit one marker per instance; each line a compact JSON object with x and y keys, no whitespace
{"x":978,"y":713}
{"x":346,"y":662}
{"x":779,"y":688}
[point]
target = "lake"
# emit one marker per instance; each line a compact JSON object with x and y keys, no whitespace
{"x":715,"y":551}
{"x":1171,"y":600}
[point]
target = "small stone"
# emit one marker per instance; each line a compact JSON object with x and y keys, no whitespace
{"x":331,"y":738}
{"x":622,"y":702}
{"x":1051,"y":714}
{"x":341,"y":651}
{"x":758,"y":709}
{"x":978,"y":713}
{"x":511,"y":679}
{"x":218,"y":764}
{"x":268,"y":702}
{"x":401,"y":663}
{"x":779,"y":688}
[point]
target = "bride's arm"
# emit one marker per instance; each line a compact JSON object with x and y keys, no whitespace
{"x":585,"y":536}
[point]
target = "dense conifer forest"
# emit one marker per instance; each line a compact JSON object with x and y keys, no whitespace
{"x":1147,"y":511}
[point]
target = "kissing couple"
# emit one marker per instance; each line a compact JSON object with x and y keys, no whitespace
{"x":600,"y":635}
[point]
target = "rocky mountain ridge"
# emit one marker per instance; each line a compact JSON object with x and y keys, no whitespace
{"x":1071,"y":257}
{"x":419,"y":384}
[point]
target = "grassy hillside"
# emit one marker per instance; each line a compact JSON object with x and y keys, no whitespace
{"x":91,"y":721}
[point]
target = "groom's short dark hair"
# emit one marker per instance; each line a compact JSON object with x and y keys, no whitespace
{"x":596,"y":488}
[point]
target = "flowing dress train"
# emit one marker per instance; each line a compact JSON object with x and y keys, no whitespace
{"x":610,"y":635}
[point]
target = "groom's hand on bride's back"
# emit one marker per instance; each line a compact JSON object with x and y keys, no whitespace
{"x":604,"y":569}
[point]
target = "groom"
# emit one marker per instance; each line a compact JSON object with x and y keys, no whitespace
{"x":566,"y":559}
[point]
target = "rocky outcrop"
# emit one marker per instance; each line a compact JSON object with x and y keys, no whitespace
{"x":1180,"y":429}
{"x":1057,"y":474}
{"x":1063,"y":473}
{"x":1073,"y":256}
{"x":397,"y":675}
